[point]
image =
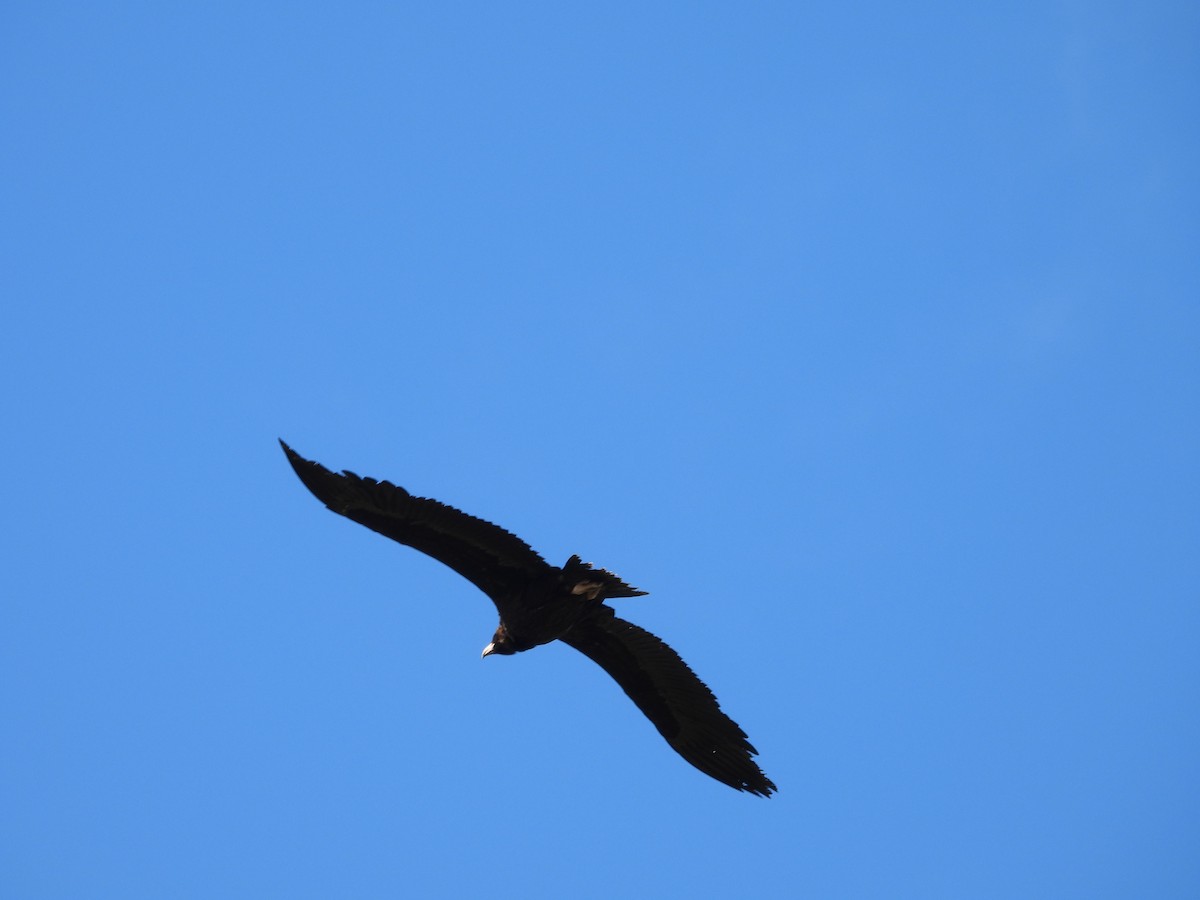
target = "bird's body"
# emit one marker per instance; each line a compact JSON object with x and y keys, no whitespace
{"x":539,"y":603}
{"x":552,"y":604}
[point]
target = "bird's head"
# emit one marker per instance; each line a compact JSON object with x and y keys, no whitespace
{"x":501,"y":644}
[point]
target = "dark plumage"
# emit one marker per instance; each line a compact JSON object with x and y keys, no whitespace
{"x":540,"y":603}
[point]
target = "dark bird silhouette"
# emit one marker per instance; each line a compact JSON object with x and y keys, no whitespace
{"x":539,"y":603}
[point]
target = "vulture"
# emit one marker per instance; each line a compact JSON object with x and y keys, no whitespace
{"x":539,"y":603}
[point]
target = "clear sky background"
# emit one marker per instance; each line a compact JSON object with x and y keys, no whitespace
{"x":864,"y":336}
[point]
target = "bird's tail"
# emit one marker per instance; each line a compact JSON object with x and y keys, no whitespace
{"x":577,"y":571}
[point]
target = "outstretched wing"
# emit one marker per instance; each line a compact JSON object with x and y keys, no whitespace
{"x":680,"y":705}
{"x":492,"y":559}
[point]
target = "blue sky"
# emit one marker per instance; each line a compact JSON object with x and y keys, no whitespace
{"x":864,"y":337}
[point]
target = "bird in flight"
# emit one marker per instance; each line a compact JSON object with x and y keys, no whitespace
{"x":539,"y":603}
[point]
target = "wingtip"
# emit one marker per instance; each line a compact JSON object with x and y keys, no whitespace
{"x":765,"y":789}
{"x":293,"y":457}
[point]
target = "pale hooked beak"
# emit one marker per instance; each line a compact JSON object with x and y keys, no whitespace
{"x":488,"y":650}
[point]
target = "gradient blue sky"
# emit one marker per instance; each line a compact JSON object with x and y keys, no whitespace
{"x":864,"y":336}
